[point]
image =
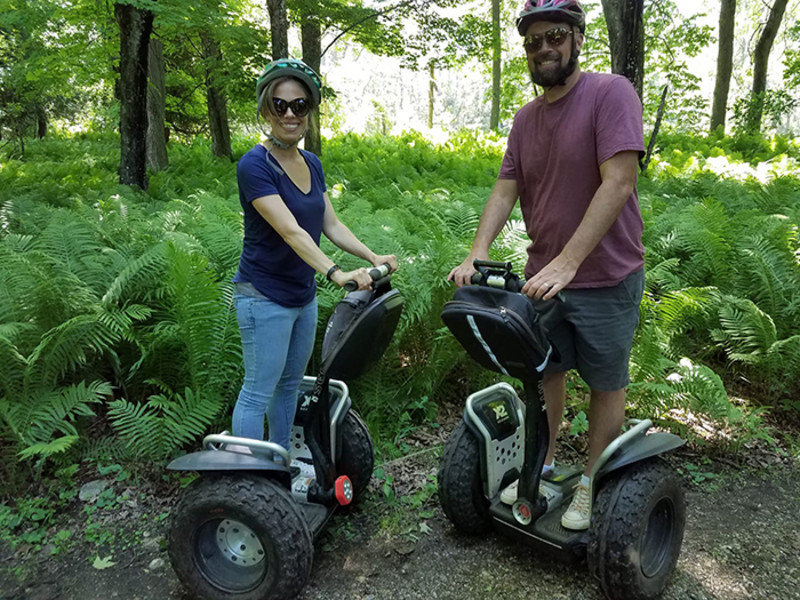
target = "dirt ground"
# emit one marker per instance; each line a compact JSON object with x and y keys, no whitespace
{"x":742,"y":541}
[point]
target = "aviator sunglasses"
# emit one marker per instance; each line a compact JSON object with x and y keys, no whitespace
{"x":554,"y":37}
{"x":299,"y":106}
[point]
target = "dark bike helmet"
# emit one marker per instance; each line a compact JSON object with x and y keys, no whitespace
{"x":289,"y":67}
{"x":569,"y":11}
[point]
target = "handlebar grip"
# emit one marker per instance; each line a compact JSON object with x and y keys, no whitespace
{"x":375,"y":273}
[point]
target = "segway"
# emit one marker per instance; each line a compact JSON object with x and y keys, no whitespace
{"x":244,"y":530}
{"x":638,"y":509}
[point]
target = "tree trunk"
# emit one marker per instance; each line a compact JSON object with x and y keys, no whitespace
{"x":624,"y":19}
{"x":761,"y":62}
{"x":494,"y":116}
{"x":431,"y":93}
{"x":311,"y":40}
{"x":157,"y":158}
{"x":216,"y":100}
{"x":279,"y":28}
{"x":719,"y":105}
{"x":41,"y":121}
{"x":135,"y":27}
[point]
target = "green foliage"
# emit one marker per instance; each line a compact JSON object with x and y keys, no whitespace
{"x":116,"y":316}
{"x":772,"y":107}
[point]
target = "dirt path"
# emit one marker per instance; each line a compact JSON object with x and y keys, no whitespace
{"x":742,"y":542}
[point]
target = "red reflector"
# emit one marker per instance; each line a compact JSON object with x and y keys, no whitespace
{"x":344,"y":490}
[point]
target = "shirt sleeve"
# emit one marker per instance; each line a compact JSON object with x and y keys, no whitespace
{"x":255,"y":177}
{"x":619,"y":120}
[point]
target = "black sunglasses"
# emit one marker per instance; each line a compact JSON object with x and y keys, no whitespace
{"x":554,"y":37}
{"x":299,"y":106}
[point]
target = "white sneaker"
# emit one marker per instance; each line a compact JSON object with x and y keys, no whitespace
{"x":580,"y":510}
{"x":510,"y":494}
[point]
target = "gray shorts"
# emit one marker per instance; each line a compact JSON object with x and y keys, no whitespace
{"x":592,"y":329}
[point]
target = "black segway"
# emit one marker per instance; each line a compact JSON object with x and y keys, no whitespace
{"x":638,"y":508}
{"x":245,"y":528}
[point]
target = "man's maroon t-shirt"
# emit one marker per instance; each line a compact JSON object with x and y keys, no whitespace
{"x":554,"y":153}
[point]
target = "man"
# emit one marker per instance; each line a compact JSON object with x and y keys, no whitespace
{"x":572,"y":160}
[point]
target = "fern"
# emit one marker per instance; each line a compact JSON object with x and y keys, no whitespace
{"x":747,"y":332}
{"x":35,"y":424}
{"x":165,"y":423}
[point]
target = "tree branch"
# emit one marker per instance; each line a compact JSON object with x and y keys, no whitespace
{"x":374,"y":15}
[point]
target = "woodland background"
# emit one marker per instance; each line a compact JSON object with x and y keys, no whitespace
{"x":120,"y":225}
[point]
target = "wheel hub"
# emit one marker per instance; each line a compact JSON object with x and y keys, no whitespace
{"x":238,"y":544}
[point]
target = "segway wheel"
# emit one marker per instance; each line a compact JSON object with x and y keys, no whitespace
{"x":357,"y":460}
{"x":460,"y":484}
{"x":637,"y":529}
{"x":239,"y":538}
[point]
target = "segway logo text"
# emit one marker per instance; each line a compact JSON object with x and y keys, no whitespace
{"x":500,"y":413}
{"x":307,"y":401}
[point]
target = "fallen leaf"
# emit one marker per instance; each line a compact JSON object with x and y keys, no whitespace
{"x":103,"y":563}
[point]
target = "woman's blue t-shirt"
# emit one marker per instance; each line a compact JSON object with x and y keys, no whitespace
{"x":267,"y":261}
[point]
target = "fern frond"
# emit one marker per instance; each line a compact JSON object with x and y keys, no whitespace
{"x":164,"y":424}
{"x":701,"y":390}
{"x":66,"y":348}
{"x":747,"y":332}
{"x":46,"y":450}
{"x":783,"y":359}
{"x":147,"y":267}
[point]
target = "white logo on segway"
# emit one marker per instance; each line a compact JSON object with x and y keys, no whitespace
{"x":308,"y":400}
{"x":500,"y":413}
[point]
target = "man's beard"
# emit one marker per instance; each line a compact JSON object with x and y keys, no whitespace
{"x":551,"y":78}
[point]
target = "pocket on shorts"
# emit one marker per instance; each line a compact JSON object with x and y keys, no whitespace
{"x":633,"y":285}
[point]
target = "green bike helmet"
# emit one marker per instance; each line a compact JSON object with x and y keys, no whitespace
{"x":569,"y":11}
{"x":289,"y":67}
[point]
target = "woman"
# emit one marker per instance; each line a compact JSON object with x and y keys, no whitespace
{"x":286,"y":208}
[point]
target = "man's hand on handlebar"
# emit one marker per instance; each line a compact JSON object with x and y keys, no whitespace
{"x":463,"y":273}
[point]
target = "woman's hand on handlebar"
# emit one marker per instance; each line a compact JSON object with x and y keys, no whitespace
{"x":386,"y":259}
{"x":360,"y":276}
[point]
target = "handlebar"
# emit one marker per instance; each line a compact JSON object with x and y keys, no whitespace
{"x":497,"y":275}
{"x":377,"y":273}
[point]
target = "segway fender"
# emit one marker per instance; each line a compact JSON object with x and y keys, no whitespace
{"x":220,"y":460}
{"x":639,"y":448}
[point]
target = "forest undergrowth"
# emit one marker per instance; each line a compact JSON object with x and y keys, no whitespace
{"x":119,"y":347}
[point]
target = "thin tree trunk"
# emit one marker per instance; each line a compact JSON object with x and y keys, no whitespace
{"x":311,"y":40}
{"x":216,"y":100}
{"x":157,"y":158}
{"x":624,"y":19}
{"x":431,"y":93}
{"x":135,"y":27}
{"x":652,"y":143}
{"x":279,"y":28}
{"x":494,"y":117}
{"x":719,"y":105}
{"x":761,"y":62}
{"x":41,"y":121}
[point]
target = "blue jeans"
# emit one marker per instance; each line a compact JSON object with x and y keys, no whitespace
{"x":276,"y":344}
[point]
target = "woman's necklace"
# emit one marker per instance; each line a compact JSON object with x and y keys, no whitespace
{"x":277,"y":143}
